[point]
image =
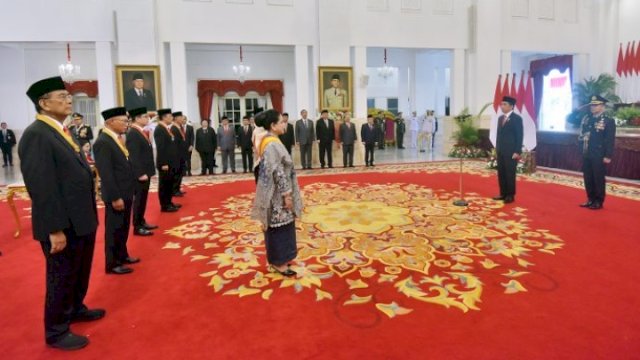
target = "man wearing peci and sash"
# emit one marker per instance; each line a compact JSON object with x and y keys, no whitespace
{"x":167,"y":160}
{"x":117,"y":185}
{"x":63,"y":212}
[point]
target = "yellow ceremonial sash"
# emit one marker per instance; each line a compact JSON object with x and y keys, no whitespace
{"x":55,"y":127}
{"x":112,"y":135}
{"x":266,"y":141}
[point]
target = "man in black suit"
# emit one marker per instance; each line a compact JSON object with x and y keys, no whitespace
{"x":597,"y":135}
{"x":81,"y":131}
{"x":380,"y":124}
{"x":141,"y":157}
{"x":401,"y":128}
{"x":370,"y":134}
{"x":183,"y":151}
{"x":288,"y":138}
{"x":190,"y":138}
{"x":325,"y":133}
{"x":245,"y":134}
{"x":348,"y":137}
{"x":137,"y":96}
{"x":63,"y":207}
{"x":117,"y":184}
{"x":508,"y":149}
{"x":206,"y":144}
{"x":167,"y":160}
{"x":7,"y":142}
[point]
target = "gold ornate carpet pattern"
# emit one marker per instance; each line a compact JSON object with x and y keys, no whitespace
{"x":388,"y":242}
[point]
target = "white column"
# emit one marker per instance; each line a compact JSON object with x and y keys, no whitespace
{"x":359,"y":86}
{"x":105,"y":71}
{"x":505,"y":64}
{"x":303,"y":83}
{"x":458,"y":82}
{"x":178,"y":89}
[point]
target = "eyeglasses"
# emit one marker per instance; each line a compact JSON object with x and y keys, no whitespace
{"x":62,"y":96}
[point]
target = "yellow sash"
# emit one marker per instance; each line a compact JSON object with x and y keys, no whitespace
{"x":55,"y":127}
{"x":120,"y":145}
{"x":266,"y":141}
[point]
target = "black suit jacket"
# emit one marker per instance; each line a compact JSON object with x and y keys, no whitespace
{"x":181,"y":144}
{"x":288,"y":138}
{"x":348,"y":134}
{"x":206,"y":143}
{"x":132,"y":100}
{"x":602,"y":136}
{"x":323,"y":133}
{"x":190,"y":135}
{"x":9,"y":140}
{"x":115,"y":170}
{"x":509,"y":138}
{"x":370,"y":135}
{"x":244,"y":139}
{"x":140,"y":154}
{"x":59,"y":182}
{"x":166,"y":148}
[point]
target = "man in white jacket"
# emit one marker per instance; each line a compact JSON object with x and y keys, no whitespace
{"x":414,"y":128}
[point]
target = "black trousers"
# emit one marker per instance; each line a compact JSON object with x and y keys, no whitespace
{"x":369,"y":148}
{"x":400,"y":140}
{"x":347,"y":154}
{"x":140,"y":202}
{"x":247,"y":159}
{"x":68,"y":275}
{"x":594,"y":172}
{"x":305,"y":156}
{"x":325,"y":148}
{"x":206,"y":159}
{"x":179,"y":174}
{"x":116,"y":233}
{"x":165,"y":187}
{"x":7,"y":154}
{"x":507,"y":174}
{"x":187,"y":163}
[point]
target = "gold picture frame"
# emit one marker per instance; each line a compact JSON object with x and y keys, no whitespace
{"x":149,"y":96}
{"x":335,"y":95}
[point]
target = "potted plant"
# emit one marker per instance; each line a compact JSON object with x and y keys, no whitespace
{"x":467,"y":136}
{"x":628,"y":115}
{"x":604,"y":85}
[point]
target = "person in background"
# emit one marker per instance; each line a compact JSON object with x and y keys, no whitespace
{"x":305,"y":137}
{"x":227,"y":145}
{"x":288,"y":138}
{"x":277,"y":202}
{"x":401,"y":128}
{"x":370,"y":134}
{"x":426,"y":131}
{"x":414,"y":129}
{"x":63,"y":212}
{"x":348,"y":138}
{"x":508,"y":149}
{"x":245,"y":134}
{"x":141,"y":156}
{"x":190,"y":138}
{"x":326,"y":133}
{"x":180,"y":137}
{"x":167,"y":160}
{"x":206,"y":144}
{"x":7,"y":142}
{"x":597,"y":136}
{"x":86,"y":151}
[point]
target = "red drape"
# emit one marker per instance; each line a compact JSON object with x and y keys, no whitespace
{"x":542,"y":67}
{"x":207,"y":88}
{"x":89,"y":87}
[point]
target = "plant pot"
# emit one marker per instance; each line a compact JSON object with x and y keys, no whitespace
{"x":635,"y":121}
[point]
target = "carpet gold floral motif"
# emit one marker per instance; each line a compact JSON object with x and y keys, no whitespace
{"x":405,"y":239}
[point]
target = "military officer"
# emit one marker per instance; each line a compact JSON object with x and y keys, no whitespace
{"x":597,"y":136}
{"x":335,"y":97}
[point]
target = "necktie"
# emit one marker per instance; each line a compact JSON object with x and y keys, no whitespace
{"x":66,"y":130}
{"x":502,"y":120}
{"x":246,"y":130}
{"x":121,"y":140}
{"x":335,"y":92}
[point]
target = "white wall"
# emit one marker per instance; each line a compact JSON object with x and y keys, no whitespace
{"x":214,"y":62}
{"x":431,"y":86}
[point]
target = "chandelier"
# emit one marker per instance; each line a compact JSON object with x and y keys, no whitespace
{"x":69,"y":72}
{"x":241,"y":70}
{"x":386,"y":70}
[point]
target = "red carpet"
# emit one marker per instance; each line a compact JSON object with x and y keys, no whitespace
{"x":580,"y":302}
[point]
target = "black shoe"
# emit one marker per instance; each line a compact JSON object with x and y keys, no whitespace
{"x":149,"y":226}
{"x":142,"y":232}
{"x":330,"y":166}
{"x":5,"y":165}
{"x":351,"y":166}
{"x":499,"y":197}
{"x":201,"y":174}
{"x":120,"y":270}
{"x":189,"y":173}
{"x":224,"y":171}
{"x":131,"y":260}
{"x":508,"y":199}
{"x":177,"y":206}
{"x":70,"y":341}
{"x":322,"y":166}
{"x":169,"y":209}
{"x":371,"y":164}
{"x":244,"y":171}
{"x":587,"y":204}
{"x":88,"y":315}
{"x":215,"y":166}
{"x":178,"y":194}
{"x":595,"y":206}
{"x":286,"y":273}
{"x":233,"y":171}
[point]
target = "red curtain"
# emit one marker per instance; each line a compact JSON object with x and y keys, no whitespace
{"x":207,"y":88}
{"x":88,"y":87}
{"x":542,"y":67}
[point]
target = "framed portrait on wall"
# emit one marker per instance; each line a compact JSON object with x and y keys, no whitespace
{"x":139,"y":86}
{"x":335,"y":88}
